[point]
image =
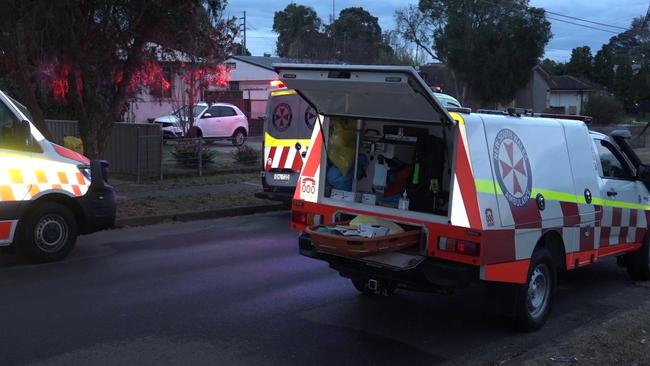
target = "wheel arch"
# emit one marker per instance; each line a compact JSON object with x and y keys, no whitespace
{"x":62,"y":199}
{"x":552,"y":241}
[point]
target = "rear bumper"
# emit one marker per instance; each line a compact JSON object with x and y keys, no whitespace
{"x":99,"y":204}
{"x":275,"y":196}
{"x":432,"y":275}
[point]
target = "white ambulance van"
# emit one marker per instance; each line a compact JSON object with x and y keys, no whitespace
{"x":48,"y":194}
{"x":463,"y":197}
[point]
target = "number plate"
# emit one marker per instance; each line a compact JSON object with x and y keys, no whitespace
{"x":285,"y":177}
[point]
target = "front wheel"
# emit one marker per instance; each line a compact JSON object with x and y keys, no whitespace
{"x":239,"y":137}
{"x":533,"y":302}
{"x":48,"y":233}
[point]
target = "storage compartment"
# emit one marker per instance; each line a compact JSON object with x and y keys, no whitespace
{"x":404,"y":166}
{"x":326,"y":238}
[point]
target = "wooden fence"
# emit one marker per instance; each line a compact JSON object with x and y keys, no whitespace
{"x":134,"y":150}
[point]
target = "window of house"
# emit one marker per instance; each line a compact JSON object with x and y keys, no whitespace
{"x":613,"y":164}
{"x":160,"y":90}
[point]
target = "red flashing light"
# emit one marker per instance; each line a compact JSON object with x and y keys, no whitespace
{"x":278,"y":84}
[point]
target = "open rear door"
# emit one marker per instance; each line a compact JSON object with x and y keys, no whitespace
{"x":395,"y":93}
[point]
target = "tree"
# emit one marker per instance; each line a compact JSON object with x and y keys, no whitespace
{"x":490,"y":48}
{"x":581,"y":62}
{"x":623,"y":81}
{"x":604,"y":109}
{"x":357,"y":36}
{"x":603,"y":72}
{"x":553,"y":67}
{"x":94,"y":56}
{"x":414,"y":26}
{"x":298,"y":28}
{"x":240,"y":50}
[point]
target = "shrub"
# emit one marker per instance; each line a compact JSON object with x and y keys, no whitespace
{"x":604,"y":109}
{"x":186,"y":154}
{"x":246,"y":155}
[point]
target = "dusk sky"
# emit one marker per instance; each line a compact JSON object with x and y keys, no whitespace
{"x":565,"y":36}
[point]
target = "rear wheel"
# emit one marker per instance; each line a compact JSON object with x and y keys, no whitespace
{"x":638,"y":263}
{"x":533,"y":302}
{"x":239,"y":137}
{"x":48,"y":233}
{"x":195,"y":132}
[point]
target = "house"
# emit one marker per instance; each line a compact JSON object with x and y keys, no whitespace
{"x":249,"y":88}
{"x":564,"y":94}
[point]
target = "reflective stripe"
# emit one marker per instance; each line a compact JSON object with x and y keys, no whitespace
{"x":490,"y":186}
{"x":279,"y":93}
{"x":270,"y":141}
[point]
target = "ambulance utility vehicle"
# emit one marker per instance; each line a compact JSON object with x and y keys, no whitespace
{"x":288,"y":126}
{"x":48,"y":194}
{"x":503,"y":199}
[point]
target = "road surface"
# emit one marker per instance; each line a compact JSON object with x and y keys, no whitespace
{"x":235,"y":291}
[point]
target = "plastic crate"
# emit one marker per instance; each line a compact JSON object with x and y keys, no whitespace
{"x":357,"y":246}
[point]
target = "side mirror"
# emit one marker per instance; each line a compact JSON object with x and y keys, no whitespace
{"x":206,"y":115}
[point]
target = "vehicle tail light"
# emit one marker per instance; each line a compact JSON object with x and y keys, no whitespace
{"x":305,"y":218}
{"x":278,"y":84}
{"x":459,"y":246}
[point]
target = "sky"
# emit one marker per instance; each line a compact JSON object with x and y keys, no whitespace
{"x":261,"y":39}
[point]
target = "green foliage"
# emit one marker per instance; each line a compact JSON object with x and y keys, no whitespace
{"x":603,"y":72}
{"x":246,"y":155}
{"x":623,"y":81}
{"x":604,"y":109}
{"x":553,"y":67}
{"x":491,"y":50}
{"x":354,"y":37}
{"x":298,"y":29}
{"x":581,"y":63}
{"x":186,"y":154}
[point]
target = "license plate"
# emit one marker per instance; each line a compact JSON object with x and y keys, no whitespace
{"x":278,"y":176}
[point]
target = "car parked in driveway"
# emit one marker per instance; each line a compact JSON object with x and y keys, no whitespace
{"x":219,"y":121}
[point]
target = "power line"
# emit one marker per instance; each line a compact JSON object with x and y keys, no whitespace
{"x":585,"y":20}
{"x":583,"y":25}
{"x":525,"y":7}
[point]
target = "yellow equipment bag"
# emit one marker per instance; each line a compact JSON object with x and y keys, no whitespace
{"x":342,"y":144}
{"x":369,"y":220}
{"x":73,"y":143}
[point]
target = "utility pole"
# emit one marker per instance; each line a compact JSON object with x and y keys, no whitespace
{"x":243,"y":30}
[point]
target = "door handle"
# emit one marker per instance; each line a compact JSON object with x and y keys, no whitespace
{"x":611,"y":193}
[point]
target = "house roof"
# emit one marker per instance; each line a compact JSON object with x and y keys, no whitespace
{"x":565,"y":82}
{"x":267,"y":62}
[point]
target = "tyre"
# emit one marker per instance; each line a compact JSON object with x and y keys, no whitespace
{"x":239,"y":137}
{"x":48,"y":233}
{"x":638,"y":263}
{"x":195,"y":132}
{"x":383,"y":288}
{"x":533,"y":301}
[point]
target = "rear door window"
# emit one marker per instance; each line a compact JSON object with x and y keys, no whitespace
{"x":224,"y":111}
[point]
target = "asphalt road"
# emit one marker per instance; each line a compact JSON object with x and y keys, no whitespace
{"x":235,"y":291}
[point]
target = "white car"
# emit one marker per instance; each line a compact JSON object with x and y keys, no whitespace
{"x":219,"y":121}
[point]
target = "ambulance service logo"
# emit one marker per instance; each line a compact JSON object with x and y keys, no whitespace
{"x":512,"y":167}
{"x":310,"y":117}
{"x":282,"y":117}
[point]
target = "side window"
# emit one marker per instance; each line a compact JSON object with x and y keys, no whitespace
{"x":226,"y":112}
{"x":214,"y":111}
{"x":611,"y":161}
{"x":10,"y":131}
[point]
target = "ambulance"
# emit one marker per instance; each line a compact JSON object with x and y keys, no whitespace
{"x":48,"y":194}
{"x":509,"y":201}
{"x":288,"y":126}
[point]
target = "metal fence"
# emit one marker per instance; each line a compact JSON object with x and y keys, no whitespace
{"x":134,"y":150}
{"x":137,"y":151}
